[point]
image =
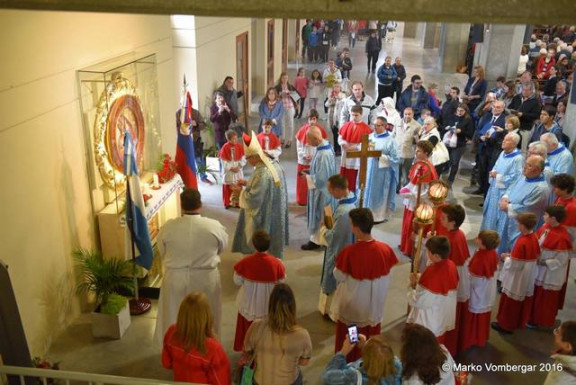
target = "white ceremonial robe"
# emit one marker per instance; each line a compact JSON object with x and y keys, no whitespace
{"x":435,"y":311}
{"x":382,"y":178}
{"x":231,"y":177}
{"x":323,"y":166}
{"x":518,"y":277}
{"x":190,"y":246}
{"x":508,"y":169}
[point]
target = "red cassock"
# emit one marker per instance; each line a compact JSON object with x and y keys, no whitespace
{"x":570,"y":223}
{"x":475,"y":318}
{"x":556,"y":246}
{"x":273,"y":141}
{"x":352,"y":133}
{"x":226,"y":155}
{"x":259,"y":273}
{"x":426,"y":172}
{"x":459,"y":254}
{"x":301,"y":185}
{"x":362,"y":294}
{"x":518,"y":283}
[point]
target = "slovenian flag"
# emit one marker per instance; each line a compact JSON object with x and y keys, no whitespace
{"x":136,"y":216}
{"x":185,"y":159}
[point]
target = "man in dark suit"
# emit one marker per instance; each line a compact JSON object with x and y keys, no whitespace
{"x":526,"y":107}
{"x":490,"y":128}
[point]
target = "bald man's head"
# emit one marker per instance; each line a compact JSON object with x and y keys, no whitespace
{"x":314,"y":136}
{"x":534,"y":166}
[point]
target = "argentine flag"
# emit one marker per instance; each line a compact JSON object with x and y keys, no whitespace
{"x":136,"y":216}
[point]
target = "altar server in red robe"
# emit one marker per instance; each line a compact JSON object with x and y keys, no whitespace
{"x":256,"y":275}
{"x":422,"y":170}
{"x":305,"y":154}
{"x":350,"y":139}
{"x":475,"y":319}
{"x":233,"y":161}
{"x":556,"y":246}
{"x":268,"y":140}
{"x":563,"y":186}
{"x":363,"y":274}
{"x":517,"y":276}
{"x":452,"y":216}
{"x":433,"y":294}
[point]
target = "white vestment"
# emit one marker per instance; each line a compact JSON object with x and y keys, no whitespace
{"x":190,"y":247}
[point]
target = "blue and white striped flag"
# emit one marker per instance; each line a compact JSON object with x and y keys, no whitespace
{"x":143,"y":249}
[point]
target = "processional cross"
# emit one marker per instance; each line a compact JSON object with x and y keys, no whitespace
{"x":363,"y":154}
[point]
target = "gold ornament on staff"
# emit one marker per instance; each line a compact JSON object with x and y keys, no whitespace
{"x":426,"y":215}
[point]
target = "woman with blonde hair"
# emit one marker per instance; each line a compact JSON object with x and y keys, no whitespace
{"x":279,"y":344}
{"x":190,"y":347}
{"x":378,"y":365}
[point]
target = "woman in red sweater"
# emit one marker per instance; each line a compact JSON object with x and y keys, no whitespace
{"x":190,"y":347}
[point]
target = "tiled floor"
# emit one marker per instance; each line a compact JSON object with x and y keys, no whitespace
{"x":135,"y":355}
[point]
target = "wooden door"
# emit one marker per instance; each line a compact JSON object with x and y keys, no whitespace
{"x":284,"y":45}
{"x":242,"y":83}
{"x":270,"y":57}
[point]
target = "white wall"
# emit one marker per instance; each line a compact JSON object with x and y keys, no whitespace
{"x":46,"y":210}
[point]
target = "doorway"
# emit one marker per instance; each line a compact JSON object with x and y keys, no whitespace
{"x":270,"y":54}
{"x":284,"y":45}
{"x":242,"y":73}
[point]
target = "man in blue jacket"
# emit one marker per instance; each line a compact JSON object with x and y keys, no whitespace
{"x":414,"y":96}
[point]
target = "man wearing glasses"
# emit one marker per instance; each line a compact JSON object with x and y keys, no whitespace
{"x":414,"y":96}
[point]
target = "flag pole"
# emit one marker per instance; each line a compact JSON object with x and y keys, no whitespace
{"x":137,"y":305}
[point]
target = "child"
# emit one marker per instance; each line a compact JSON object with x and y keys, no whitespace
{"x":564,"y":366}
{"x":346,"y":64}
{"x":315,"y":86}
{"x":556,"y":246}
{"x":269,"y":142}
{"x":423,"y":115}
{"x":432,"y":296}
{"x":482,"y":269}
{"x":305,"y":154}
{"x":334,"y":103}
{"x":301,"y":84}
{"x":451,"y":217}
{"x":256,"y":275}
{"x":233,"y":160}
{"x":517,"y":278}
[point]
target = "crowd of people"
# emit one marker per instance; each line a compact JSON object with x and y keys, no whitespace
{"x":523,"y":167}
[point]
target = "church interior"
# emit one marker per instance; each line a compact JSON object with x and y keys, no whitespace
{"x":53,"y":81}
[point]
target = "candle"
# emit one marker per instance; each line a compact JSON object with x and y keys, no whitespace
{"x":156,"y":182}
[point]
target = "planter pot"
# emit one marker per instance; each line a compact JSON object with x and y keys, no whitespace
{"x":111,"y":325}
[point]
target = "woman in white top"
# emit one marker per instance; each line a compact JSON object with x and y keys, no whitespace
{"x":440,"y":156}
{"x":424,"y":360}
{"x":522,"y":63}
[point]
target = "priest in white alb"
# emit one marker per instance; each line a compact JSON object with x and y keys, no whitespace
{"x":382,"y":175}
{"x":190,"y":247}
{"x":322,"y":167}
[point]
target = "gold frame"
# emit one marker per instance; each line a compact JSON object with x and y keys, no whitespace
{"x":118,"y":88}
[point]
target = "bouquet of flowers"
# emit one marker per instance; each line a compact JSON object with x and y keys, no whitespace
{"x":166,"y":169}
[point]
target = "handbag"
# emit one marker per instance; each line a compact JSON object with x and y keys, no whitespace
{"x":450,"y":139}
{"x":246,"y":366}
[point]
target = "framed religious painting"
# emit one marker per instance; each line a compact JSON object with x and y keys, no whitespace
{"x":117,"y":96}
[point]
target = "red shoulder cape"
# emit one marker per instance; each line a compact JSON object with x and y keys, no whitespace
{"x":484,"y":263}
{"x":303,"y":138}
{"x":440,"y":277}
{"x":226,"y":154}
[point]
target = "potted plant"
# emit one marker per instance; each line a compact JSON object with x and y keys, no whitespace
{"x":103,"y":277}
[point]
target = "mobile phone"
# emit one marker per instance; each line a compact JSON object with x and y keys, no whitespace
{"x":353,"y":334}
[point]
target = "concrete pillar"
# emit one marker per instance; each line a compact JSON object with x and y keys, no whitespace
{"x":431,"y":38}
{"x":570,"y":121}
{"x":499,"y":54}
{"x":453,"y":45}
{"x":420,"y":31}
{"x":410,"y":30}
